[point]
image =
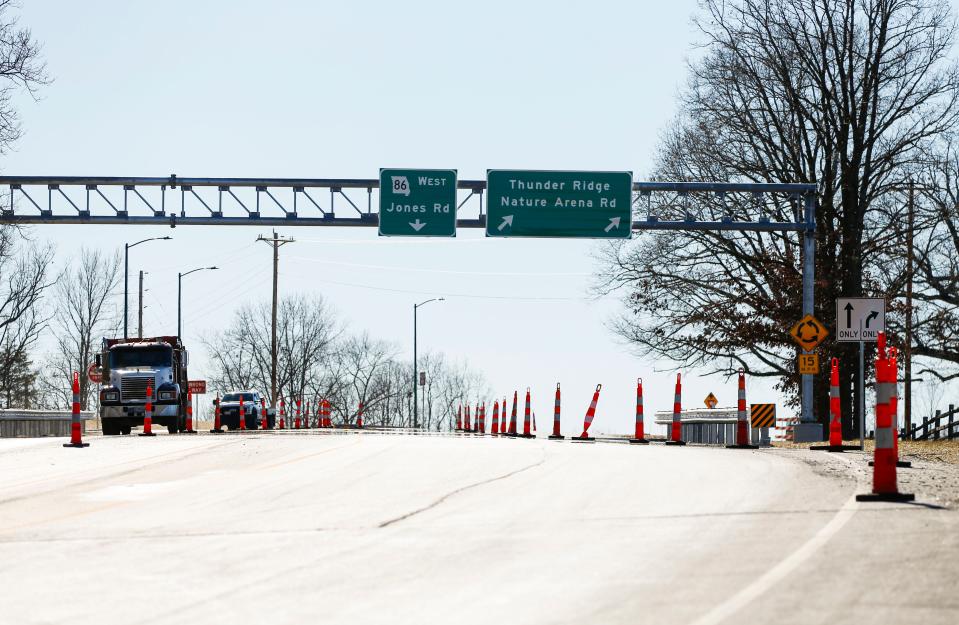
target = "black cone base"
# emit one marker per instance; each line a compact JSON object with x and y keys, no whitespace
{"x":582,"y":439}
{"x":77,"y":445}
{"x":886,"y":497}
{"x":146,"y":434}
{"x":638,"y":441}
{"x":525,"y":436}
{"x":742,"y":446}
{"x":902,"y":464}
{"x":189,"y":432}
{"x":676,"y":443}
{"x":215,"y":431}
{"x":835,"y":448}
{"x":556,"y":437}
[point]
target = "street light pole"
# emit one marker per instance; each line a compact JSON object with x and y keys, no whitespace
{"x":179,"y":296}
{"x":416,"y":362}
{"x":126,"y":278}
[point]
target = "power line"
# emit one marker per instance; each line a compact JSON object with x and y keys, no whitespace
{"x":443,"y":271}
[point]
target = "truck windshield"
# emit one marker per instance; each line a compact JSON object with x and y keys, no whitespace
{"x":236,"y":397}
{"x":136,"y":356}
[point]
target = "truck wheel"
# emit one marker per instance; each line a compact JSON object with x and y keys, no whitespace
{"x":111,"y":428}
{"x":126,"y":429}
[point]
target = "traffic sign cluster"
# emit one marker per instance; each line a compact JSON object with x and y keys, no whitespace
{"x":520,"y":203}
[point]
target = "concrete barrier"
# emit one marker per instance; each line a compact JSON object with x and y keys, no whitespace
{"x":711,"y":426}
{"x":37,"y":423}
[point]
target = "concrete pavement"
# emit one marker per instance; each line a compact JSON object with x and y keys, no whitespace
{"x":307,"y":527}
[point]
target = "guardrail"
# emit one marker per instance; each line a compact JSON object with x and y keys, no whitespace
{"x":37,"y":423}
{"x":943,"y":425}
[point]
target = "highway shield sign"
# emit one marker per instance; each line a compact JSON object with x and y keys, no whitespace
{"x":809,"y":332}
{"x":418,"y":202}
{"x":586,"y":204}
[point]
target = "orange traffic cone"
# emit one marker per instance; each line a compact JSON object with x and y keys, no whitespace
{"x":494,"y":430}
{"x":676,"y":431}
{"x":148,"y":413}
{"x":894,"y":413}
{"x":835,"y":412}
{"x":590,"y":415}
{"x":217,"y":424}
{"x":76,"y":426}
{"x":556,"y":436}
{"x":742,"y":422}
{"x":639,"y":436}
{"x":884,"y":483}
{"x":189,"y":413}
{"x":527,"y":423}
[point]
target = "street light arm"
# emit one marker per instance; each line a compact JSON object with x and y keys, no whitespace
{"x":151,"y":239}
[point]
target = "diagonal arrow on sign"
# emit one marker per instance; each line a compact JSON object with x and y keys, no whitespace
{"x":417,"y":225}
{"x":613,"y":223}
{"x":507,"y":221}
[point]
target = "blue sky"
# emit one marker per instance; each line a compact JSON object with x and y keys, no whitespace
{"x":324,"y":89}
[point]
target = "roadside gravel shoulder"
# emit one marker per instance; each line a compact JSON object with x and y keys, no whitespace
{"x":933,"y":477}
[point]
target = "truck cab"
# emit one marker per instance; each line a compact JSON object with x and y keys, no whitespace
{"x":130,"y":367}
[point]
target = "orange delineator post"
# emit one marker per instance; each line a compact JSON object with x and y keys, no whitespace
{"x":590,"y":415}
{"x":512,"y":416}
{"x":296,"y":422}
{"x":742,"y":421}
{"x":217,"y":424}
{"x":884,"y":482}
{"x":676,"y":431}
{"x":527,"y":433}
{"x":148,"y":413}
{"x":359,"y":416}
{"x":835,"y":412}
{"x":459,"y":419}
{"x":189,"y":413}
{"x":639,"y":433}
{"x":482,"y":418}
{"x":495,"y":428}
{"x":264,"y":414}
{"x":242,"y":414}
{"x":329,"y":413}
{"x":76,"y":426}
{"x":556,"y":436}
{"x":894,"y":411}
{"x":466,"y":421}
{"x":282,"y":414}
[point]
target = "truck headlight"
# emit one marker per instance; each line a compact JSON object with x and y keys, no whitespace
{"x":110,"y":396}
{"x":167,"y":395}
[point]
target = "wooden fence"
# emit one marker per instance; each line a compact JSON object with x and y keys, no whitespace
{"x":942,"y":426}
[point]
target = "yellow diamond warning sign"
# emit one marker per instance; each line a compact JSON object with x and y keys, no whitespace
{"x":711,"y":401}
{"x":809,"y":333}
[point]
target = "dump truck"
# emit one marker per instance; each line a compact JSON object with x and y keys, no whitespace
{"x":130,"y":366}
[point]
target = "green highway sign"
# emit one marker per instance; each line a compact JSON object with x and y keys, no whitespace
{"x":418,"y":202}
{"x":589,"y":204}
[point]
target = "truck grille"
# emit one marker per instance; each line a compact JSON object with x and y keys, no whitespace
{"x":135,"y":388}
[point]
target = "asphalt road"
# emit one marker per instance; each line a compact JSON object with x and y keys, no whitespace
{"x":291,"y":527}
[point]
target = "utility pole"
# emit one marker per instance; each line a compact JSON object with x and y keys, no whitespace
{"x":140,"y":307}
{"x":910,"y":259}
{"x":277,"y":242}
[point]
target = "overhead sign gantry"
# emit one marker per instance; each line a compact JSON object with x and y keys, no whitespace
{"x":279,"y":202}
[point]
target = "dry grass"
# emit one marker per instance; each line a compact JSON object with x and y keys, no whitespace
{"x":934,"y":451}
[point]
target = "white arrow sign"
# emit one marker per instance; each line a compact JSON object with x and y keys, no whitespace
{"x":613,"y":223}
{"x":507,"y":221}
{"x":417,"y":225}
{"x":860,"y":318}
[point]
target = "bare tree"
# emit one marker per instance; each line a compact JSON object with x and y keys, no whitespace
{"x":21,"y":69}
{"x":85,"y":311}
{"x":24,"y":279}
{"x":842,"y":93}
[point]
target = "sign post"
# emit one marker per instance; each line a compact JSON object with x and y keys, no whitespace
{"x":578,"y":204}
{"x":418,"y":202}
{"x":861,"y":319}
